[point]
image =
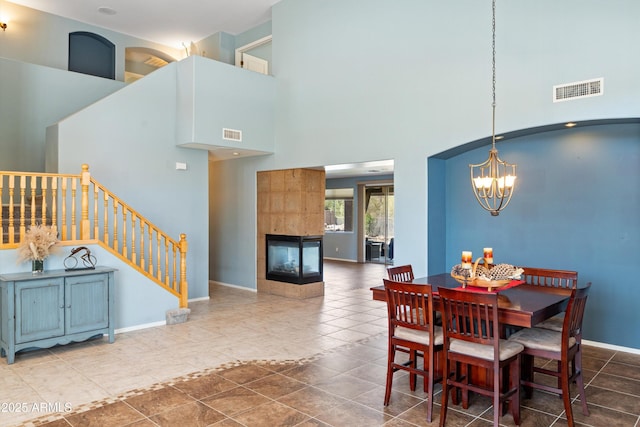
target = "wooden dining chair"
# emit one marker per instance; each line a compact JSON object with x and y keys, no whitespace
{"x":567,"y":279}
{"x":564,"y":347}
{"x":472,"y":337}
{"x":401,"y":273}
{"x":412,"y":330}
{"x":562,"y":279}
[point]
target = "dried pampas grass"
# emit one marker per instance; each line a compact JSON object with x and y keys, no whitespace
{"x":38,"y":243}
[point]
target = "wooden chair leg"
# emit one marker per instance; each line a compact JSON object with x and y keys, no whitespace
{"x":465,"y":392}
{"x":445,"y":391}
{"x":577,"y":364}
{"x":566,"y":396}
{"x":413,"y":358}
{"x":514,"y":382}
{"x":526,"y":372}
{"x":390,"y":360}
{"x":497,"y":403}
{"x":429,"y":379}
{"x":455,"y":398}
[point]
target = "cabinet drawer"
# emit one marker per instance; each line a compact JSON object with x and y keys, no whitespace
{"x":39,"y":309}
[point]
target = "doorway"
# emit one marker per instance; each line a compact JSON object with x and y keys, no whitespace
{"x":259,"y":58}
{"x":378,"y":223}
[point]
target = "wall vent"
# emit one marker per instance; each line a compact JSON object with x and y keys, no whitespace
{"x":583,"y":89}
{"x":232,"y":134}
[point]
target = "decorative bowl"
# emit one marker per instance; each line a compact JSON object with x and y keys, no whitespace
{"x":481,"y":283}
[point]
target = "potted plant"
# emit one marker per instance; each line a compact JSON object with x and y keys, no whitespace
{"x":38,"y":243}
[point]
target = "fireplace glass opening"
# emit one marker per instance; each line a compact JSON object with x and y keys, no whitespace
{"x":294,"y":259}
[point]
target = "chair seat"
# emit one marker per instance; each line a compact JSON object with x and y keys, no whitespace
{"x":507,"y":349}
{"x":541,"y":339}
{"x":554,"y":323}
{"x":420,"y":336}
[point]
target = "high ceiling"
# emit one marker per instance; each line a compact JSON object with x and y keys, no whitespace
{"x":168,"y":22}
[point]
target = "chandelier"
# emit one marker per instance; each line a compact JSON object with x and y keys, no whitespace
{"x":493,"y":181}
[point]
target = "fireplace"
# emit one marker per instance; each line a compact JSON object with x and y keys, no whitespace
{"x":294,"y":259}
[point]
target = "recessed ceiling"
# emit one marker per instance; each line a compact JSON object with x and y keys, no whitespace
{"x":168,"y":22}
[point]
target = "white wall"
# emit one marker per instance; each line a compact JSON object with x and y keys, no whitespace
{"x":129,"y":141}
{"x":34,"y":97}
{"x":213,"y":95}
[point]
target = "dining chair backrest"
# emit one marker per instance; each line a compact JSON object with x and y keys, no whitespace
{"x":470,"y":316}
{"x":572,"y":327}
{"x":567,"y":279}
{"x":401,"y":273}
{"x":471,"y":330}
{"x":409,"y":305}
{"x":564,"y":347}
{"x":412,"y":331}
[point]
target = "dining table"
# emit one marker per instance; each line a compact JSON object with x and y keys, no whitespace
{"x":522,"y":305}
{"x":519,"y":305}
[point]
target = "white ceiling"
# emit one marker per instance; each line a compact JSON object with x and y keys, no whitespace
{"x":168,"y":22}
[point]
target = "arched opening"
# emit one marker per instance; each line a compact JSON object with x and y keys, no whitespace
{"x":140,"y":61}
{"x":92,"y":54}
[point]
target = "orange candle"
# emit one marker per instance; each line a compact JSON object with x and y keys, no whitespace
{"x":466,"y":259}
{"x":488,"y":255}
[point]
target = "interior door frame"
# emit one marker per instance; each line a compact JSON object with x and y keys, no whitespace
{"x":248,"y":47}
{"x":361,"y":188}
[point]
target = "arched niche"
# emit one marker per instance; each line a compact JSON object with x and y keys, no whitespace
{"x":92,"y":54}
{"x":140,"y":61}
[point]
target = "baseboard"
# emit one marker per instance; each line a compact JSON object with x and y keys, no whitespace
{"x":611,"y":347}
{"x":142,"y":326}
{"x":228,"y":285}
{"x":340,"y":259}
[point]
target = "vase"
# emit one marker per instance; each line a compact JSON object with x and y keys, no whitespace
{"x":37,"y":266}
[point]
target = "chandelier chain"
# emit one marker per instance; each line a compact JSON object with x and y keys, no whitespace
{"x":493,"y":69}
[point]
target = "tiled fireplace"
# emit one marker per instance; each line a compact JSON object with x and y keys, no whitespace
{"x":291,"y":204}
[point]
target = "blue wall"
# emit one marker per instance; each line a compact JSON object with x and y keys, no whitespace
{"x":576,"y":207}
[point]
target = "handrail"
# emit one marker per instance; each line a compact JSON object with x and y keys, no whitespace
{"x":53,"y":199}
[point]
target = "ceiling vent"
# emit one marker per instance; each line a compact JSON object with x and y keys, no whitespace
{"x":575,"y":90}
{"x":232,"y":134}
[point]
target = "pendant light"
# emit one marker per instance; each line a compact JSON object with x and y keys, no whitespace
{"x":493,"y":181}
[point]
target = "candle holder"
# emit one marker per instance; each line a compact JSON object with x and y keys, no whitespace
{"x":487,"y":253}
{"x":466,"y":260}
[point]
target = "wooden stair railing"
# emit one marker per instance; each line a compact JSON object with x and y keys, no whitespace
{"x":91,"y":214}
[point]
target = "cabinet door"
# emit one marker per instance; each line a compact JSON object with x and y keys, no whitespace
{"x":87,"y":303}
{"x":39,"y":309}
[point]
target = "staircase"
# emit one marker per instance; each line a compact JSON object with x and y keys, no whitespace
{"x":86,"y":212}
{"x":10,"y":219}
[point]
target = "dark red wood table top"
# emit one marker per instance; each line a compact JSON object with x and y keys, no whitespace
{"x":524,"y":305}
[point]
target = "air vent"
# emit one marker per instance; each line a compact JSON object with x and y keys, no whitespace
{"x":232,"y":134}
{"x":575,"y":90}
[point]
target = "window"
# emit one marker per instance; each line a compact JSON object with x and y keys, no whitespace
{"x":338,"y":209}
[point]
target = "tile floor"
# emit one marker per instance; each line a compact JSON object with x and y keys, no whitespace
{"x":245,"y":359}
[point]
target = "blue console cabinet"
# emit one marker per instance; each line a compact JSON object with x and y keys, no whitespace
{"x":56,"y":307}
